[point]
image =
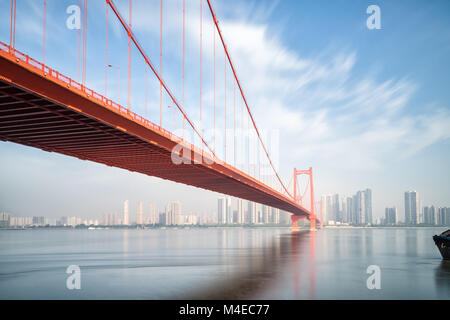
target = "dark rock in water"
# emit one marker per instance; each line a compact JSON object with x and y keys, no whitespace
{"x":443,"y":243}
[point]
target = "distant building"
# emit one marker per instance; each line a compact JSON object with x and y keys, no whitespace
{"x":430,"y":215}
{"x":251,"y":212}
{"x":189,"y":220}
{"x":38,"y":221}
{"x":356,"y":210}
{"x":336,"y":209}
{"x":348,"y":210}
{"x":162,"y":218}
{"x":4,"y":220}
{"x":153,"y":217}
{"x":326,"y":204}
{"x":240,"y":212}
{"x":265,"y":214}
{"x":275,"y":216}
{"x":411,"y":207}
{"x":229,"y":211}
{"x":221,"y":211}
{"x":109,"y":219}
{"x":126,"y":212}
{"x":444,"y":216}
{"x":368,"y":207}
{"x":139,"y":216}
{"x":173,"y":213}
{"x":391,"y":216}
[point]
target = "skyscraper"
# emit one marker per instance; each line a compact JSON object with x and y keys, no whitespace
{"x":153,"y":217}
{"x":336,"y":209}
{"x":359,"y":206}
{"x":139,"y":219}
{"x":240,"y":211}
{"x":126,"y":212}
{"x":428,"y":214}
{"x":411,"y":207}
{"x":221,"y":211}
{"x":251,"y":212}
{"x":275,"y":216}
{"x":265,"y":214}
{"x":173,"y":213}
{"x":4,"y":220}
{"x":348,"y":209}
{"x":229,"y":211}
{"x":324,"y":200}
{"x":368,"y":206}
{"x":391,"y":216}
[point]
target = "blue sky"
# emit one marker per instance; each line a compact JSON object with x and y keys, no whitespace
{"x":365,"y":108}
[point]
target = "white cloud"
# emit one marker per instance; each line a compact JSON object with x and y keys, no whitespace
{"x":325,"y":111}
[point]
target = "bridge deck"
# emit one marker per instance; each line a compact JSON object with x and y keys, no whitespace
{"x":41,"y":108}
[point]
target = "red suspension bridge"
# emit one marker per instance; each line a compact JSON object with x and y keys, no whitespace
{"x":43,"y":108}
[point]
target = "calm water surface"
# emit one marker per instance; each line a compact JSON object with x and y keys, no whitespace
{"x":259,"y":263}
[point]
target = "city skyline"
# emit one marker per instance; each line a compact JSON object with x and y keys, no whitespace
{"x":346,"y":205}
{"x":335,"y":210}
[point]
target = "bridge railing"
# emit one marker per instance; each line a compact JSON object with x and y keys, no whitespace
{"x":233,"y":112}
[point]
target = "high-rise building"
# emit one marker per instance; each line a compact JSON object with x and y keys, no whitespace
{"x":38,"y":221}
{"x":162,"y":218}
{"x":265,"y":214}
{"x":153,"y":218}
{"x":4,"y":220}
{"x":411,"y":207}
{"x":139,"y":216}
{"x":173,"y":213}
{"x":240,"y":212}
{"x":109,"y":219}
{"x":331,"y":209}
{"x":229,"y":210}
{"x":325,"y":212}
{"x":252,"y":213}
{"x":221,"y":211}
{"x":348,"y":209}
{"x":275,"y":216}
{"x":368,"y":206}
{"x":429,"y":215}
{"x":359,"y":206}
{"x":444,"y":216}
{"x":391,"y":216}
{"x":336,"y":209}
{"x":126,"y":212}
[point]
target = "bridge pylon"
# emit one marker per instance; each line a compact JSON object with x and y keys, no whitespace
{"x":312,"y":217}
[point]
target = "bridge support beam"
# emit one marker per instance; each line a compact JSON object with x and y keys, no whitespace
{"x":295,"y":219}
{"x":312,"y":223}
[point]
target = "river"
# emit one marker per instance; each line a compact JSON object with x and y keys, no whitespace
{"x":223,"y":263}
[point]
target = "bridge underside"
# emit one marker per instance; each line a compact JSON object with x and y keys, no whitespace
{"x":39,"y":111}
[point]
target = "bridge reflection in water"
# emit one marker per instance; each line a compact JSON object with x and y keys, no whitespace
{"x":260,"y":267}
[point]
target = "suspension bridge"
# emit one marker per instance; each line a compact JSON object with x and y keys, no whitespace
{"x":43,"y":108}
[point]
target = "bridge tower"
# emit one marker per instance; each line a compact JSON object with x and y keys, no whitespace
{"x":312,"y":217}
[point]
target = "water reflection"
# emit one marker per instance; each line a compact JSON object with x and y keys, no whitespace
{"x":442,"y":279}
{"x":261,"y":266}
{"x":411,"y":242}
{"x":223,"y":263}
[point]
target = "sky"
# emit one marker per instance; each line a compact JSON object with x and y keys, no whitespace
{"x":365,"y":108}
